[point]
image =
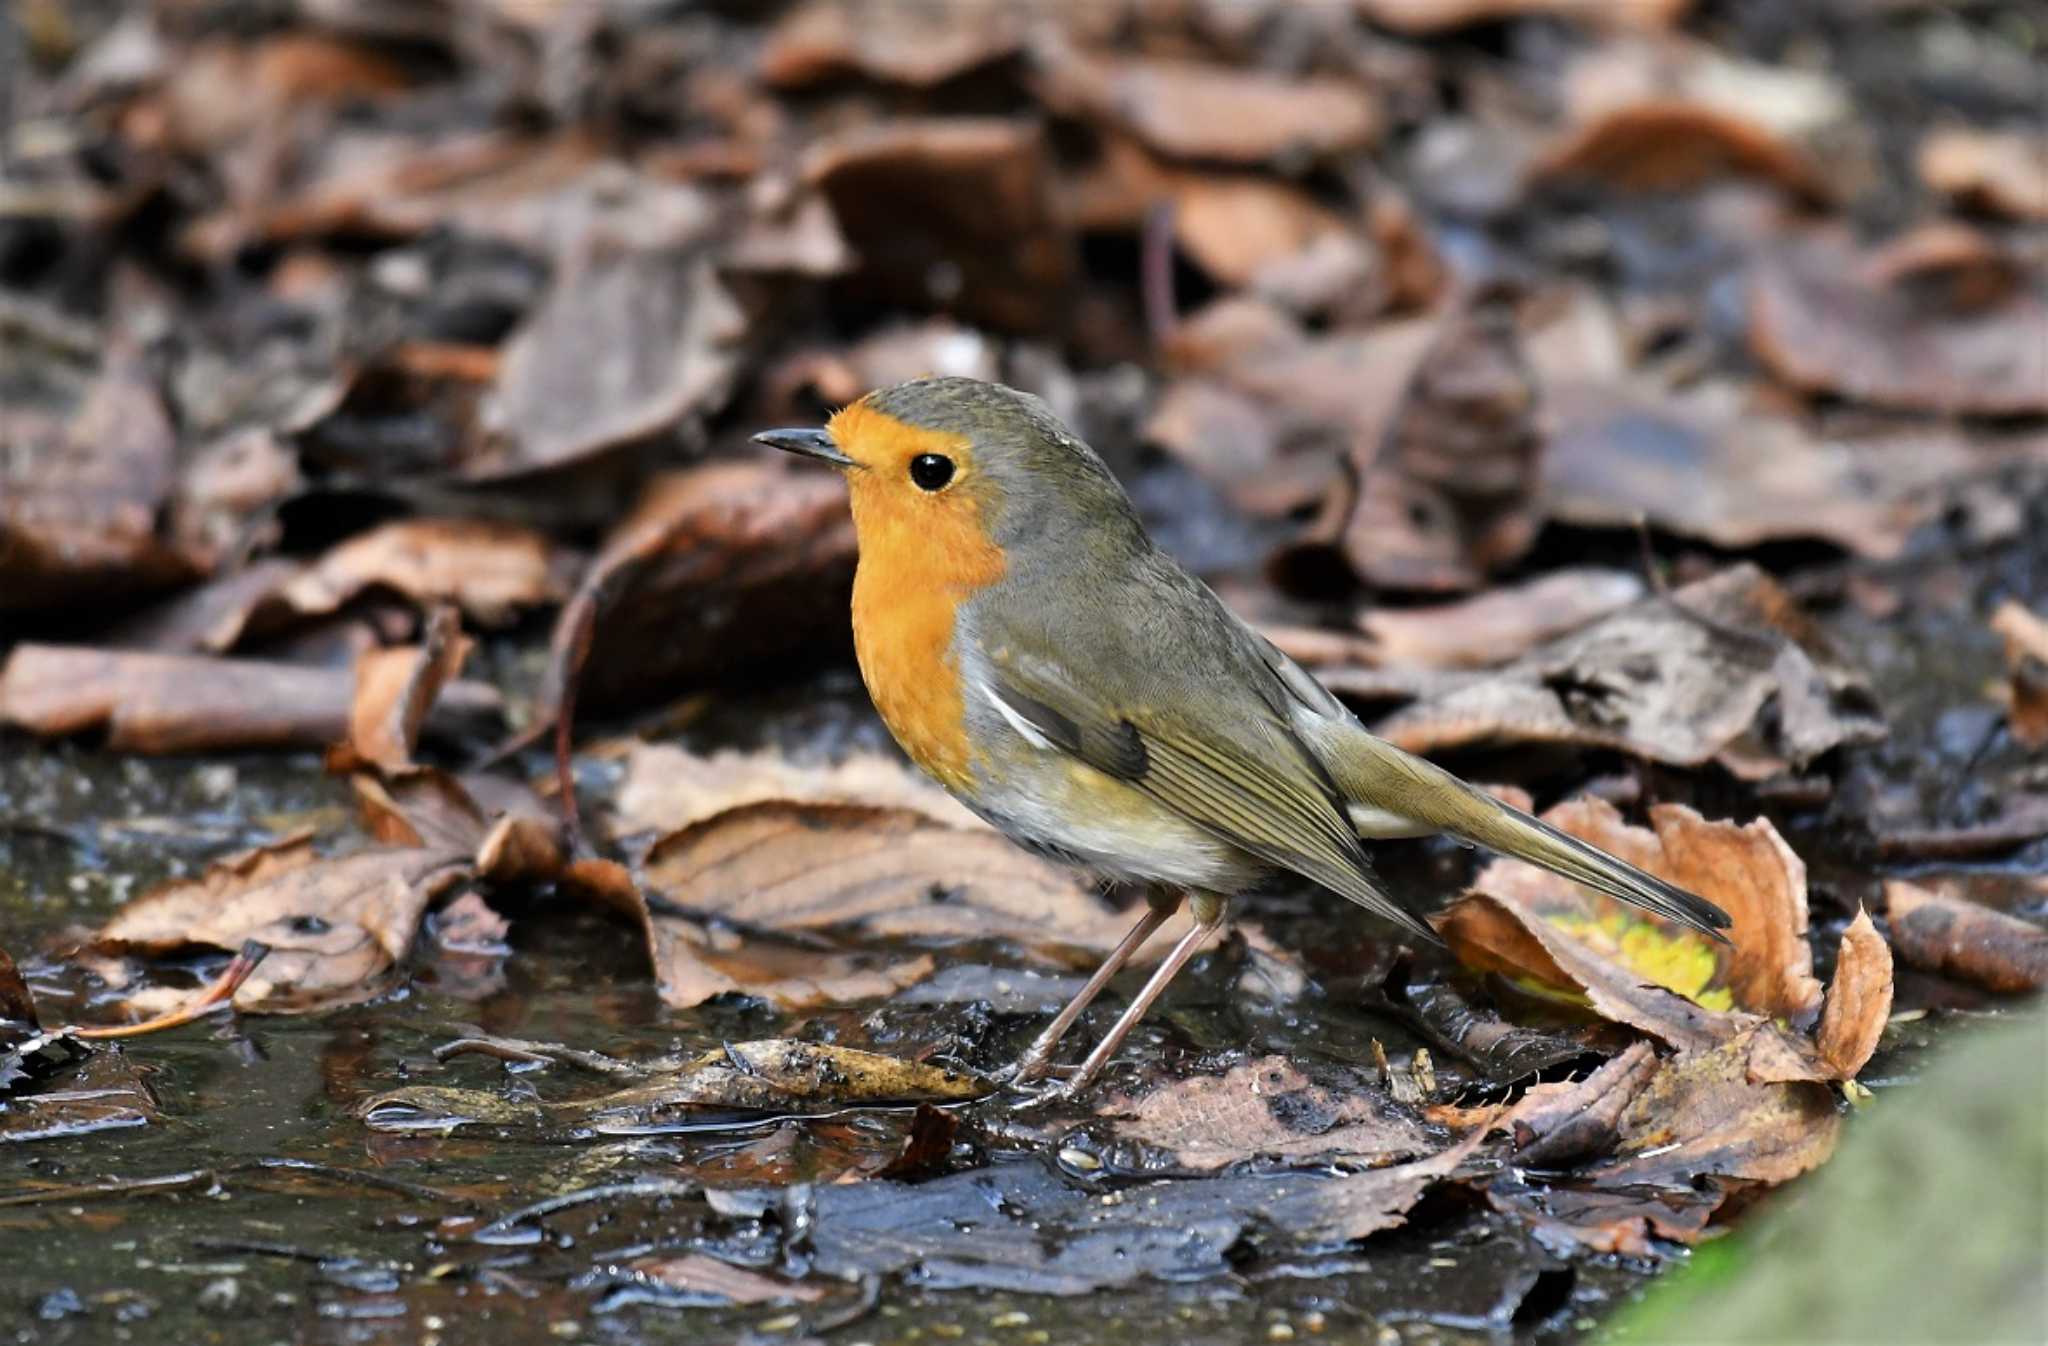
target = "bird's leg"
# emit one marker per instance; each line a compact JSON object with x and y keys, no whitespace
{"x":1209,"y":911}
{"x":1160,"y":903}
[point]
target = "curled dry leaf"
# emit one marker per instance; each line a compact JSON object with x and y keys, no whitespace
{"x":1500,"y":623}
{"x":1822,"y":320}
{"x":1195,"y":110}
{"x":166,"y":703}
{"x":630,"y":345}
{"x":666,"y":788}
{"x":79,"y":502}
{"x":1234,"y":443}
{"x":903,"y":43}
{"x":1859,"y":1000}
{"x":795,"y":868}
{"x":1266,"y":1108}
{"x":395,"y":688}
{"x":491,"y":570}
{"x":953,"y":214}
{"x":2002,"y":173}
{"x":1684,"y":678}
{"x":680,"y":587}
{"x":1447,"y":495}
{"x":1556,"y":1124}
{"x":336,"y":927}
{"x":1425,"y":17}
{"x":2026,"y":662}
{"x":1939,"y":932}
{"x":1666,"y":115}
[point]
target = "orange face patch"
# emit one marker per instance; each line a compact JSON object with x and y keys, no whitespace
{"x":922,"y":554}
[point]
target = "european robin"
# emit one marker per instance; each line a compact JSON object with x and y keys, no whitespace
{"x":1033,"y":651}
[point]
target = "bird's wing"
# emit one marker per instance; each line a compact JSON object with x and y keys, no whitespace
{"x":1242,"y":776}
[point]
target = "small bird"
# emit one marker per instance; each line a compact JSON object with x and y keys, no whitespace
{"x":1034,"y":652}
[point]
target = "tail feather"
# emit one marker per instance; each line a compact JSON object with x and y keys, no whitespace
{"x":1385,"y":779}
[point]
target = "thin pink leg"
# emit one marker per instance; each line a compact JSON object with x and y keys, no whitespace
{"x":1161,"y":977}
{"x":1039,"y":1055}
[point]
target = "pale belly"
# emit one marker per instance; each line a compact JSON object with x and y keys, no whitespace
{"x":1051,"y":803}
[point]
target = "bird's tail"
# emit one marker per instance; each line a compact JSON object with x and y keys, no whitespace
{"x":1394,"y":785}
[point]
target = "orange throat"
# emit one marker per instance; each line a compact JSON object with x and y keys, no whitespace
{"x":921,"y":557}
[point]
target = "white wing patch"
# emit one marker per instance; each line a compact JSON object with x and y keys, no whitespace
{"x":1030,"y":731}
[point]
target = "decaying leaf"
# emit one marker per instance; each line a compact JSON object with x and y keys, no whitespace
{"x":1939,"y":932}
{"x":336,"y":927}
{"x":165,"y":703}
{"x":1500,"y":623}
{"x":1265,"y":1108}
{"x":787,"y":867}
{"x":1555,"y":1124}
{"x":491,"y":570}
{"x":1824,"y":321}
{"x":1671,"y":983}
{"x":2005,"y":173}
{"x":105,"y":1092}
{"x":395,"y":688}
{"x":667,"y":788}
{"x":2026,"y":662}
{"x":702,"y":1274}
{"x":1426,"y":17}
{"x":775,"y":1075}
{"x":1447,"y":496}
{"x":905,"y":43}
{"x":1684,"y":678}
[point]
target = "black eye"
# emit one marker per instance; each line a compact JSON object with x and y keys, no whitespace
{"x":931,"y":471}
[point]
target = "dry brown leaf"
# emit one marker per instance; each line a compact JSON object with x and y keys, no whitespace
{"x":1233,"y":442}
{"x":1195,"y":110}
{"x":1447,"y":495}
{"x":953,"y":214}
{"x":1683,"y":679}
{"x":628,"y":346}
{"x":163,"y":703}
{"x":1264,"y":1108}
{"x":1238,"y":227}
{"x":395,"y":688}
{"x":1424,"y":17}
{"x":789,"y":868}
{"x":678,"y":591}
{"x":1939,"y":932}
{"x":1667,"y":115}
{"x":1500,"y":623}
{"x":903,"y":41}
{"x":2003,"y":173}
{"x":337,"y":927}
{"x":1702,"y":463}
{"x":666,"y":788}
{"x":1556,"y":1124}
{"x":1859,"y":1000}
{"x":491,"y":570}
{"x":79,"y":502}
{"x":1823,"y":321}
{"x":2026,"y":662}
{"x":1362,"y":1204}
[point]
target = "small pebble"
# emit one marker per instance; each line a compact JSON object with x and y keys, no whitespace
{"x":1014,"y":1318}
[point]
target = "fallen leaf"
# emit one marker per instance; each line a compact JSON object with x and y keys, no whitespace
{"x":1500,"y":623}
{"x":666,"y":788}
{"x":106,"y":1092}
{"x":1696,"y":991}
{"x":1233,"y":443}
{"x":1556,"y":1124}
{"x":1665,"y":115}
{"x":492,"y":571}
{"x":337,"y":927}
{"x":903,"y":42}
{"x":630,"y":345}
{"x":2026,"y":662}
{"x":166,"y":703}
{"x":1459,"y":1020}
{"x":17,"y":1006}
{"x":1859,"y":1000}
{"x":1265,"y":1108}
{"x":952,"y":214}
{"x":79,"y":502}
{"x":786,"y":867}
{"x":1425,"y":17}
{"x":2001,"y":173}
{"x":1448,"y":494}
{"x":1941,"y":933}
{"x":395,"y":688}
{"x":1701,"y":463}
{"x":1823,"y":323}
{"x":1196,"y":110}
{"x":1684,"y":678}
{"x":701,"y":1274}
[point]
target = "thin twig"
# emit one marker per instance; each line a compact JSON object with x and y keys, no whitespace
{"x":500,"y":1229}
{"x":90,"y":1191}
{"x":221,"y":992}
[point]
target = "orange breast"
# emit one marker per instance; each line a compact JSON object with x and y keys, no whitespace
{"x":921,"y":557}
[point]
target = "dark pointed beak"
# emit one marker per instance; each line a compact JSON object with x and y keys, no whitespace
{"x":810,"y":443}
